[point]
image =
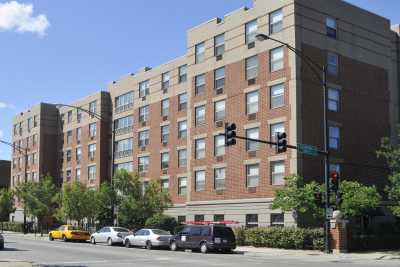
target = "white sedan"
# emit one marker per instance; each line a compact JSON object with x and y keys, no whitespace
{"x":110,"y":235}
{"x":148,"y":238}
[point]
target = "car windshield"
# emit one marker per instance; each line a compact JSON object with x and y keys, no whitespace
{"x":119,"y":229}
{"x":160,"y":232}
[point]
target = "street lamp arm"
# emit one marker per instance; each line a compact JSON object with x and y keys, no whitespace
{"x":98,"y":116}
{"x":22,"y":150}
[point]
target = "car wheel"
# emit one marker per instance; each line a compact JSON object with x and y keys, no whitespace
{"x":203,"y":248}
{"x":64,"y":238}
{"x":93,"y":241}
{"x":173,"y":246}
{"x":51,"y":238}
{"x":109,"y":241}
{"x":127,"y":243}
{"x":148,"y":244}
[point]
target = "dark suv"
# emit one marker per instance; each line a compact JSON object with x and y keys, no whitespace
{"x":204,"y":238}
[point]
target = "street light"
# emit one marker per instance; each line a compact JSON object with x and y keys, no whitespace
{"x":23,"y":150}
{"x":318,"y":71}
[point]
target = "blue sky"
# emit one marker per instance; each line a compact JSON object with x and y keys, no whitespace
{"x":90,"y":43}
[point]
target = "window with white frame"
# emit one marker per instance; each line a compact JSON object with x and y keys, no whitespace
{"x":182,"y":129}
{"x":182,"y":186}
{"x":144,"y":138}
{"x":219,"y":110}
{"x":200,"y":51}
{"x":334,"y":137}
{"x":164,"y":134}
{"x":182,"y":102}
{"x":78,"y":115}
{"x":333,"y":99}
{"x":277,"y":219}
{"x":68,"y":175}
{"x":251,"y":31}
{"x":165,"y":107}
{"x":219,"y":78}
{"x":276,"y":59}
{"x":200,"y":180}
{"x":333,"y":64}
{"x":219,"y":178}
{"x":251,"y":220}
{"x":252,"y":102}
{"x":143,"y":113}
{"x":278,"y":172}
{"x":143,"y":163}
{"x":69,"y":118}
{"x":200,"y":84}
{"x":93,"y":108}
{"x":69,"y":137}
{"x":124,"y":102}
{"x":182,"y":73}
{"x":123,"y":125}
{"x":182,"y":158}
{"x":277,"y":95}
{"x":144,"y":88}
{"x":164,"y":160}
{"x":92,"y":151}
{"x":69,"y":155}
{"x":276,"y":128}
{"x":165,"y":185}
{"x":200,"y":148}
{"x":128,"y":166}
{"x":251,"y":67}
{"x":78,"y":135}
{"x":219,"y":44}
{"x":252,"y":175}
{"x":92,"y":172}
{"x":219,"y":145}
{"x":77,"y":174}
{"x":165,"y":80}
{"x":92,"y":130}
{"x":200,"y":115}
{"x":124,"y":148}
{"x":276,"y":21}
{"x":78,"y":154}
{"x":253,"y":133}
{"x":331,"y":27}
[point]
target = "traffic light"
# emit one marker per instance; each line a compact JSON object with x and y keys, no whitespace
{"x":318,"y":198}
{"x":230,"y":134}
{"x":281,"y":143}
{"x":334,"y":181}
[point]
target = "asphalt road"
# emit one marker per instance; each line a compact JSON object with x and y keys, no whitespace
{"x":58,"y":253}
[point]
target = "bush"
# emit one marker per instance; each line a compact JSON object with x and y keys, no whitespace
{"x":12,"y":226}
{"x":281,"y":237}
{"x":161,"y":221}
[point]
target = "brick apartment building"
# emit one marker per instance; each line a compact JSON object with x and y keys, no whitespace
{"x":167,"y":119}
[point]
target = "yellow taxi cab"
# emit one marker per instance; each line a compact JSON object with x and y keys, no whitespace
{"x":69,"y":232}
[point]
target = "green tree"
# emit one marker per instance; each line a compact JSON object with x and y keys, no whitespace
{"x":162,"y":221}
{"x":391,"y":153}
{"x":7,"y":204}
{"x":106,"y":199}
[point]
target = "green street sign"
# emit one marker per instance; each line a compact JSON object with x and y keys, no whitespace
{"x":307,"y":149}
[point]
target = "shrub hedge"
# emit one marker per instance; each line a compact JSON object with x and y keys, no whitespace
{"x":12,"y":226}
{"x":281,"y":237}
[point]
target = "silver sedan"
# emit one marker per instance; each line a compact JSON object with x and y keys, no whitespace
{"x":110,"y":235}
{"x":148,"y":238}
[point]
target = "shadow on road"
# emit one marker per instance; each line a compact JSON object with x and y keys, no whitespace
{"x":12,"y":249}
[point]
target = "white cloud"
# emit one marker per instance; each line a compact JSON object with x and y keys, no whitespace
{"x":19,"y":17}
{"x":6,"y":105}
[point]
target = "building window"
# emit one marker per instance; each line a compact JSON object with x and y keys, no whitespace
{"x":334,"y":137}
{"x":219,"y":78}
{"x":252,"y":102}
{"x":77,"y":174}
{"x":92,"y":130}
{"x":182,"y":129}
{"x":333,"y":67}
{"x":182,"y":99}
{"x":78,"y":135}
{"x":69,"y":155}
{"x":128,"y":166}
{"x":333,"y":99}
{"x":219,"y":178}
{"x":331,"y":27}
{"x":200,"y":148}
{"x":200,"y":181}
{"x":35,"y":120}
{"x":276,"y":59}
{"x":69,"y":137}
{"x":275,"y":21}
{"x":253,"y":133}
{"x":251,"y":31}
{"x":277,"y":95}
{"x":78,"y":115}
{"x":144,"y":137}
{"x":275,"y":129}
{"x":165,"y":80}
{"x":200,"y":84}
{"x":143,"y":164}
{"x":68,"y":175}
{"x":219,"y":217}
{"x":144,"y":88}
{"x":219,"y":44}
{"x":182,"y":73}
{"x":219,"y":145}
{"x":93,"y":108}
{"x":143,"y":113}
{"x":164,"y":160}
{"x":124,"y":102}
{"x":164,"y":185}
{"x":251,"y":67}
{"x":200,"y":118}
{"x":200,"y":52}
{"x":278,"y":173}
{"x":198,"y":218}
{"x":181,"y":219}
{"x":252,"y":175}
{"x":124,"y":148}
{"x":164,"y":134}
{"x":277,"y":219}
{"x":164,"y":107}
{"x":182,"y":186}
{"x":78,"y":155}
{"x":219,"y":110}
{"x":34,"y":158}
{"x":92,"y":151}
{"x":69,"y":117}
{"x":182,"y":158}
{"x":251,"y":220}
{"x":92,"y":172}
{"x":123,"y":125}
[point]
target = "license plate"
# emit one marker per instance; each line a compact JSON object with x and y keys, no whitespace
{"x":183,"y":238}
{"x":225,"y":241}
{"x":217,"y":240}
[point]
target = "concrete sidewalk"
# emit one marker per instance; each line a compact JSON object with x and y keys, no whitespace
{"x":13,"y":263}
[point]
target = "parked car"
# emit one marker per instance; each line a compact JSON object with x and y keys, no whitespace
{"x":110,"y":235}
{"x":148,"y":238}
{"x":69,"y":232}
{"x":1,"y":242}
{"x":204,"y":238}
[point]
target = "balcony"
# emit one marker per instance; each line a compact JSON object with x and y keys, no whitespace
{"x":125,"y":130}
{"x":123,"y":154}
{"x":123,"y":108}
